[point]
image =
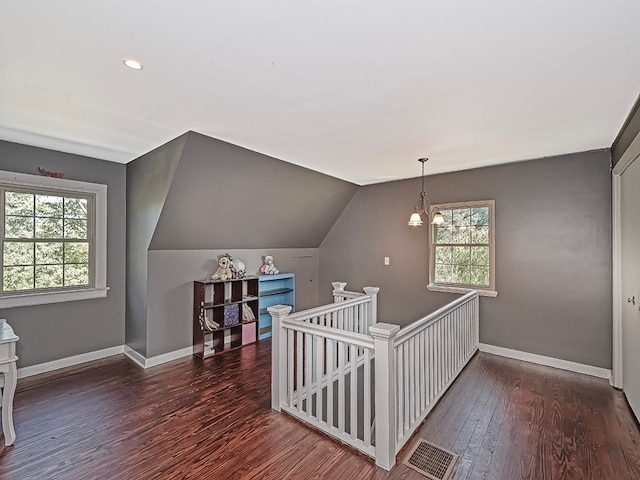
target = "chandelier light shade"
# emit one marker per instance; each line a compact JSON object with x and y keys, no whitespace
{"x":415,"y":220}
{"x":438,"y":219}
{"x":423,"y":204}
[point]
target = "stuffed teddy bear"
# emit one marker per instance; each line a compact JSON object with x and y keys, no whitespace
{"x":223,"y":272}
{"x":268,"y":268}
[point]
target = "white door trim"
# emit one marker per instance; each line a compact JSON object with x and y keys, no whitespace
{"x":616,"y":246}
{"x":630,"y":154}
{"x":628,"y":157}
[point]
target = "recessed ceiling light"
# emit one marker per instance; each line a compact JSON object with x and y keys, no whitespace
{"x":133,"y":64}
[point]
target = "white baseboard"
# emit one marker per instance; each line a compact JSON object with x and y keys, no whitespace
{"x":134,"y":356}
{"x":69,"y":361}
{"x":144,"y":362}
{"x":104,"y":353}
{"x":547,"y":361}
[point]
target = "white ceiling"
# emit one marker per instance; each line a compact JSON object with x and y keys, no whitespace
{"x":356,"y":89}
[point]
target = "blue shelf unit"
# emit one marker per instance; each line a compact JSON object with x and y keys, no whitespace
{"x":273,"y":290}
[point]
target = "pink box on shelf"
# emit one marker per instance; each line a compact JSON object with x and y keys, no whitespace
{"x":248,"y":333}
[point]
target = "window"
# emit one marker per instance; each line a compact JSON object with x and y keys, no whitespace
{"x":462,"y":255}
{"x":53,"y":243}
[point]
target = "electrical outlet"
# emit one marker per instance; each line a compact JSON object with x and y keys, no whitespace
{"x":386,"y":260}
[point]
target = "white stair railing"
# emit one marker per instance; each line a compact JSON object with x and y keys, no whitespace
{"x":429,"y":354}
{"x":322,"y":362}
{"x":325,"y":361}
{"x":340,"y":294}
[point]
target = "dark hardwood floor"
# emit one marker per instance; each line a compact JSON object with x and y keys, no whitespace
{"x":211,"y":419}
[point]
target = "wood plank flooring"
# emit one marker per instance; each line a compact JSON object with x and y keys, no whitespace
{"x":211,"y":419}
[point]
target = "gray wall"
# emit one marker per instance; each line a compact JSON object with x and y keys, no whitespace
{"x":225,"y":196}
{"x":171,"y":276}
{"x":553,"y":253}
{"x":193,"y":197}
{"x":627,"y":133}
{"x":148,"y":181}
{"x":54,"y":331}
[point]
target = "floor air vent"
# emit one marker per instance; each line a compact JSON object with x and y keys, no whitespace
{"x":431,"y":461}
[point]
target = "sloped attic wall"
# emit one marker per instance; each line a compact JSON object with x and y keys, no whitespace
{"x":226,"y":198}
{"x":148,"y":181}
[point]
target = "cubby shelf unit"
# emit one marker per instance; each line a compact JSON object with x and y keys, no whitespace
{"x":276,"y":289}
{"x":221,"y":301}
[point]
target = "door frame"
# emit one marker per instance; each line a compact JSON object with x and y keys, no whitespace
{"x":628,"y":157}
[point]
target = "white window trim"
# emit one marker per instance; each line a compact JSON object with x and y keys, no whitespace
{"x":450,"y":289}
{"x":489,"y":291}
{"x":99,"y":191}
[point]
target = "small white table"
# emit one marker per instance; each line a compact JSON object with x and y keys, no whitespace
{"x":8,"y":379}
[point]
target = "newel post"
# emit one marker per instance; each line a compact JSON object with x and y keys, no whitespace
{"x":385,"y":393}
{"x":373,"y":304}
{"x":278,"y":354}
{"x":338,"y":291}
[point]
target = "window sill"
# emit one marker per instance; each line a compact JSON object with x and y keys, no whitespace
{"x":449,"y":289}
{"x":29,"y":299}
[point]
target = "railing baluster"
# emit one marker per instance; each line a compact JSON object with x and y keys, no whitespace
{"x":352,"y":318}
{"x":417,"y":402}
{"x":400,"y":387}
{"x":308,"y":348}
{"x":423,"y":372}
{"x":464,"y":332}
{"x":353,"y":383}
{"x":415,"y":345}
{"x":455,"y":341}
{"x":438,"y":367}
{"x":451,"y":343}
{"x":443,"y":351}
{"x":290,"y":364}
{"x":412,"y":380}
{"x":468,"y":339}
{"x":299,"y":368}
{"x":319,"y":376}
{"x":367,"y":396}
{"x":461,"y":353}
{"x":430,"y":361}
{"x":407,"y":391}
{"x":341,"y":394}
{"x":365,"y":320}
{"x":330,"y":369}
{"x":469,"y":330}
{"x":447,"y":346}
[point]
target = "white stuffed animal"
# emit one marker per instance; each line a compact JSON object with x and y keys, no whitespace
{"x":223,"y":272}
{"x":238,"y":268}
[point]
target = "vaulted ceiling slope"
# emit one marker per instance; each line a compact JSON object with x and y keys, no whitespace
{"x":225,"y":196}
{"x":352,"y":88}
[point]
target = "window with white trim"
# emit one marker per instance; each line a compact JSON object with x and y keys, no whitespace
{"x":462,"y":249}
{"x":53,"y":242}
